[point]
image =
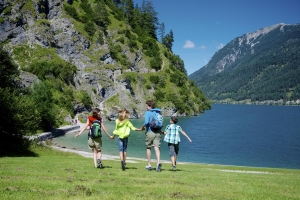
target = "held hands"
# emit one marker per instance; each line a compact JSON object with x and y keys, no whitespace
{"x":112,"y":137}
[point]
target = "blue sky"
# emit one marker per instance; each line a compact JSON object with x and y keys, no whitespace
{"x":201,"y":27}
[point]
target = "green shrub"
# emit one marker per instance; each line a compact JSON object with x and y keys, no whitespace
{"x":72,"y":12}
{"x":90,"y":28}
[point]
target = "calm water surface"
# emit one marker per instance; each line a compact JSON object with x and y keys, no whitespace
{"x":244,"y":135}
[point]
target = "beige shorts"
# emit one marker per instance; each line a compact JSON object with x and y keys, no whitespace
{"x":95,"y":143}
{"x":152,"y":139}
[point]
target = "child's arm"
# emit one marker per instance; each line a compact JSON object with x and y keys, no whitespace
{"x":183,"y":133}
{"x":139,"y":129}
{"x":105,"y":130}
{"x":83,"y":129}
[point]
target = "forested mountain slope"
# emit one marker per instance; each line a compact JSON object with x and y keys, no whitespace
{"x":255,"y":67}
{"x":88,"y":53}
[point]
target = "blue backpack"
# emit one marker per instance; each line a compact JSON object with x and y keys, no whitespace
{"x":156,"y":120}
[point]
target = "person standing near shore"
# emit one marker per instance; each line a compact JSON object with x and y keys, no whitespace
{"x":152,"y":136}
{"x":172,"y":137}
{"x":95,"y":143}
{"x":122,"y":130}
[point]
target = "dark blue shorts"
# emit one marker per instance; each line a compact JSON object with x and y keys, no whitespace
{"x":173,"y":149}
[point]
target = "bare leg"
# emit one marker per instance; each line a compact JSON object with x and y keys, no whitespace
{"x":121,"y":155}
{"x":149,"y":156}
{"x":95,"y":157}
{"x":157,"y":152}
{"x":124,"y":156}
{"x":99,"y":154}
{"x":173,"y":158}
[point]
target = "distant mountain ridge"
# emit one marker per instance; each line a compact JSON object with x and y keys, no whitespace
{"x":255,"y":67}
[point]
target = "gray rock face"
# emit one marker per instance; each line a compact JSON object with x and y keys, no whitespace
{"x":44,"y":26}
{"x":27,"y":79}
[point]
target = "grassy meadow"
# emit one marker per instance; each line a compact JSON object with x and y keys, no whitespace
{"x":53,"y":174}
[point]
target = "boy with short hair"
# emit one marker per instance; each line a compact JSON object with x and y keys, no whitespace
{"x":172,"y":137}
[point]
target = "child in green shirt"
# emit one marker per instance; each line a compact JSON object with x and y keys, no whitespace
{"x":122,"y":130}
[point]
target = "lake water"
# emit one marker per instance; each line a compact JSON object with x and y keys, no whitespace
{"x":242,"y":135}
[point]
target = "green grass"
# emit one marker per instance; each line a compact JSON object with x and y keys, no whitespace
{"x":54,"y":174}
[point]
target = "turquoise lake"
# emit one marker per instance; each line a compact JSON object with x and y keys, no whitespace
{"x":242,"y":135}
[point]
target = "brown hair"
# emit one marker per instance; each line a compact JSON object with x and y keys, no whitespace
{"x":96,"y":112}
{"x":150,"y":103}
{"x":174,"y":119}
{"x":123,"y":114}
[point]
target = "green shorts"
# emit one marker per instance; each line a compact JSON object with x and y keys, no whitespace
{"x":95,"y":143}
{"x":152,"y":139}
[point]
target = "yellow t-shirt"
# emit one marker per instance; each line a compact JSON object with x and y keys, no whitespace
{"x":123,"y":128}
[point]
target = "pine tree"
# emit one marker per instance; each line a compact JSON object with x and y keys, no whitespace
{"x":149,"y":19}
{"x":168,"y":40}
{"x":161,"y":31}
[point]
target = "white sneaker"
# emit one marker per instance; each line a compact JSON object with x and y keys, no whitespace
{"x":148,"y":167}
{"x":158,"y":167}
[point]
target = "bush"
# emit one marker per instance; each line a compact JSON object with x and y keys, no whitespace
{"x":90,"y":28}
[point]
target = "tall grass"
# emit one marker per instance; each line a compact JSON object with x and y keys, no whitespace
{"x":52,"y":174}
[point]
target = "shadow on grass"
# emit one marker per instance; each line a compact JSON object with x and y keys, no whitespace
{"x":18,"y":153}
{"x":16,"y":147}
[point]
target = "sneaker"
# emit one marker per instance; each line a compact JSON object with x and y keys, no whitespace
{"x":123,"y":165}
{"x":158,"y":167}
{"x":173,"y":168}
{"x":148,"y":167}
{"x":99,"y":164}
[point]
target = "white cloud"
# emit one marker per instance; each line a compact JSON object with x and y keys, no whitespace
{"x":189,"y":44}
{"x":203,"y":47}
{"x":220,"y":46}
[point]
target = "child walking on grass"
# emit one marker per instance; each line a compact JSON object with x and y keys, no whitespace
{"x":172,"y":137}
{"x":95,"y":143}
{"x":122,"y":130}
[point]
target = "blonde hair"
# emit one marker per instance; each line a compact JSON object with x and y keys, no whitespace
{"x":123,"y":114}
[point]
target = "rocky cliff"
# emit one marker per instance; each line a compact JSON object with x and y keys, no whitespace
{"x":40,"y":29}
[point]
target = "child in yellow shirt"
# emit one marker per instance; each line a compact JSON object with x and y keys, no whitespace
{"x":122,"y":130}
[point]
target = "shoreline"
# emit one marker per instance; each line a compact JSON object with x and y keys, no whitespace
{"x":104,"y":156}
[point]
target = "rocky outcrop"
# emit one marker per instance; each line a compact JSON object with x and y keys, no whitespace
{"x":41,"y":23}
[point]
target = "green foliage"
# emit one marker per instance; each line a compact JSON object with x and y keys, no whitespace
{"x":178,"y":78}
{"x":19,"y":117}
{"x":156,"y":63}
{"x":101,"y":16}
{"x":168,"y":40}
{"x":44,"y":103}
{"x":7,"y":10}
{"x":85,"y":99}
{"x":8,"y":70}
{"x":43,"y":69}
{"x":71,"y":11}
{"x":18,"y":113}
{"x":151,"y":48}
{"x":132,"y":77}
{"x":90,"y":28}
{"x":270,"y":73}
{"x":115,"y":51}
{"x":159,"y":95}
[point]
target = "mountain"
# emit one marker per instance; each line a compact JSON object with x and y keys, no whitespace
{"x":258,"y":67}
{"x":90,"y":53}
